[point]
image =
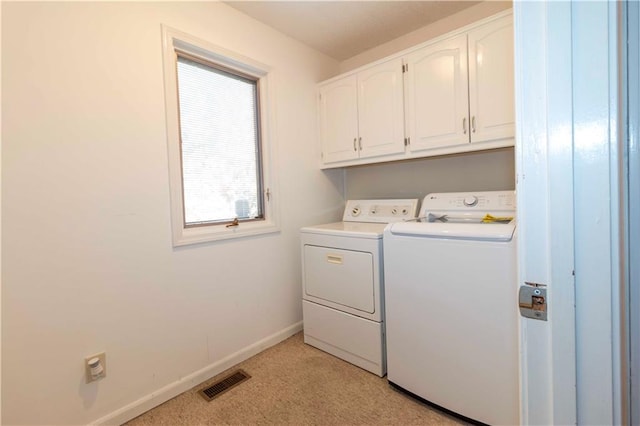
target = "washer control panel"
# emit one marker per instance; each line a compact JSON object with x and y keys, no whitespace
{"x":380,"y":211}
{"x":484,"y":202}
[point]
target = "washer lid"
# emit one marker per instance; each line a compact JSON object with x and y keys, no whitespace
{"x":348,"y":229}
{"x":458,"y":231}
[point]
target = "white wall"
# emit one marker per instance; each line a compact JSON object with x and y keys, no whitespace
{"x":88,"y":264}
{"x":477,"y":171}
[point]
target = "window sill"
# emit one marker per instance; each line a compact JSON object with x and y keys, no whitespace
{"x":206,"y":234}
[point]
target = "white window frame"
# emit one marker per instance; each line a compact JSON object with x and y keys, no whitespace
{"x":173,"y":40}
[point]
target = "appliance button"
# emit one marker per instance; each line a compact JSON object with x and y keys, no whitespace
{"x":470,"y":200}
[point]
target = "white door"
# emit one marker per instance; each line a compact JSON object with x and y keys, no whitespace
{"x":380,"y":110}
{"x":491,"y":95}
{"x":545,"y":249}
{"x":568,"y":207}
{"x":339,"y":120}
{"x":437,"y":95}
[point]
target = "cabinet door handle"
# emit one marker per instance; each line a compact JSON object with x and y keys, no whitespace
{"x":473,"y":124}
{"x":464,"y":125}
{"x":355,"y":148}
{"x":360,"y":143}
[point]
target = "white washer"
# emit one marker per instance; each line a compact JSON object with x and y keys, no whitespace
{"x":342,"y":306}
{"x":452,"y":306}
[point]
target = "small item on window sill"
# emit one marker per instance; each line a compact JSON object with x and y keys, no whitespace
{"x":234,"y":223}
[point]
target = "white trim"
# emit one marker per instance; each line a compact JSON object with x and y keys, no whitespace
{"x":174,"y":389}
{"x":172,"y":39}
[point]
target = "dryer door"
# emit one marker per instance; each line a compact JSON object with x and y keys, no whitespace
{"x":340,"y":276}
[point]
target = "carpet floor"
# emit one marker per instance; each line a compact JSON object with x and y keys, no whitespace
{"x":296,"y":384}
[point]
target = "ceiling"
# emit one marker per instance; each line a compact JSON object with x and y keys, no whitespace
{"x":343,"y":29}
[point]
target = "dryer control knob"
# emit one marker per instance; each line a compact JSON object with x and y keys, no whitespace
{"x":355,"y":211}
{"x":394,"y":211}
{"x":470,"y":200}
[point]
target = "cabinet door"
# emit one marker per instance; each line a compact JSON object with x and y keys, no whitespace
{"x":339,"y":120}
{"x":437,"y":95}
{"x":380,"y":109}
{"x":491,"y":85}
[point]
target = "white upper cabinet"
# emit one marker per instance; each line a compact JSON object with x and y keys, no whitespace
{"x":450,"y":105}
{"x":450,"y":95}
{"x":339,"y":120}
{"x":437,"y":95}
{"x":381,"y":110}
{"x":361,"y":115}
{"x":491,"y":83}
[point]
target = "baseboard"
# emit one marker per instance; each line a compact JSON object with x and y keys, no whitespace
{"x":174,"y":389}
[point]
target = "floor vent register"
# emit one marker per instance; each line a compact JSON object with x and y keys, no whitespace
{"x":224,"y":384}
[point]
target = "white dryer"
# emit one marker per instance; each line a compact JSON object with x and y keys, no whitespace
{"x":342,"y":276}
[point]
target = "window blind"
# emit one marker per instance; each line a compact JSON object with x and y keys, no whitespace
{"x":220,"y":144}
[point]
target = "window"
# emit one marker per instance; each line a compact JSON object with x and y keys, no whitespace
{"x":219,"y":131}
{"x":218,"y":143}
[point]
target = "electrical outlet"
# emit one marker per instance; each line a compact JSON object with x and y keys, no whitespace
{"x":87,"y":369}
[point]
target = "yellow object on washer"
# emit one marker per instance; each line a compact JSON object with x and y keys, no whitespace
{"x":491,"y":219}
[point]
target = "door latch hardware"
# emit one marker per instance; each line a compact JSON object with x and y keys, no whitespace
{"x":532,"y":300}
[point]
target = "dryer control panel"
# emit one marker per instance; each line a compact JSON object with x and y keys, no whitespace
{"x":380,"y":211}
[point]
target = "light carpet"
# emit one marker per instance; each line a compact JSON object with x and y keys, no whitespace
{"x":296,"y":384}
